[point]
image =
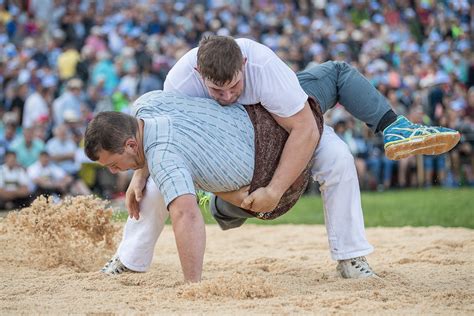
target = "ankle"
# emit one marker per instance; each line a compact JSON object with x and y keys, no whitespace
{"x":387,"y":119}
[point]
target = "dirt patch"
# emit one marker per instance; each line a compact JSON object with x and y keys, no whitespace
{"x":251,"y":270}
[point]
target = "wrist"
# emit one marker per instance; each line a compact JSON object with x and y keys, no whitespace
{"x":276,"y":190}
{"x":141,"y":173}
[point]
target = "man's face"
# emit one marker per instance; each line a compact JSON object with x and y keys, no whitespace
{"x":44,"y":160}
{"x":10,"y":160}
{"x":126,"y":160}
{"x":229,"y":92}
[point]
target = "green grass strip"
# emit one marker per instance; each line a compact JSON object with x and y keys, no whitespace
{"x":396,"y":208}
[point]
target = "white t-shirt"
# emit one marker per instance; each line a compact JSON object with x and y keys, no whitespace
{"x":268,"y":80}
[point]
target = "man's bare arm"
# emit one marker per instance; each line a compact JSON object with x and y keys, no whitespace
{"x":190,"y":234}
{"x":298,"y":150}
{"x":135,"y":190}
{"x":234,"y":197}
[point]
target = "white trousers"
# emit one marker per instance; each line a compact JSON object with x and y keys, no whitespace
{"x":335,"y":171}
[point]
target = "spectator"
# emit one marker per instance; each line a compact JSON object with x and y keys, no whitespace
{"x":128,"y":85}
{"x":67,"y":62}
{"x":105,"y":70}
{"x":18,"y":102}
{"x":37,"y":104}
{"x":48,"y":178}
{"x":68,"y":102}
{"x":27,"y":148}
{"x":148,"y":81}
{"x":84,"y":65}
{"x":14,"y":184}
{"x":379,"y":166}
{"x":62,"y":150}
{"x":434,"y":165}
{"x":357,"y":145}
{"x":7,"y":139}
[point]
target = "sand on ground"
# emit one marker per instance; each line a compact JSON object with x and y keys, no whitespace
{"x":283,"y":269}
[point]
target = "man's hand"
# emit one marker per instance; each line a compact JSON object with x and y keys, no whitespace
{"x":303,"y":135}
{"x":262,"y":200}
{"x":135,"y":192}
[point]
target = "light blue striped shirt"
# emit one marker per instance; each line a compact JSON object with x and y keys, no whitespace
{"x":194,"y":143}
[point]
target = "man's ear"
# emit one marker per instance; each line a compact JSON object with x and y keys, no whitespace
{"x":131,"y":143}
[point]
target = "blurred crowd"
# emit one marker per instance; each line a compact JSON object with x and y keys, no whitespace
{"x":63,"y":61}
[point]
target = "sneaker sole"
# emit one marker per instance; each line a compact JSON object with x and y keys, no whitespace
{"x":429,"y":145}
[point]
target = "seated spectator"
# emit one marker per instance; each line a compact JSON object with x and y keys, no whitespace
{"x":128,"y":84}
{"x":62,"y":150}
{"x":36,"y":105}
{"x":149,"y":81}
{"x":357,"y":145}
{"x":48,"y":178}
{"x":379,"y":166}
{"x":434,"y":165}
{"x":27,"y":148}
{"x":407,"y":172}
{"x":14,"y":184}
{"x":7,"y":139}
{"x":462,"y":157}
{"x":68,"y":102}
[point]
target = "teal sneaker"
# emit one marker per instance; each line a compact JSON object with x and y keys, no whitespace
{"x":402,"y":139}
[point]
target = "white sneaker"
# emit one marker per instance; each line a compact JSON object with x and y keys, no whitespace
{"x":355,"y":268}
{"x":114,"y":266}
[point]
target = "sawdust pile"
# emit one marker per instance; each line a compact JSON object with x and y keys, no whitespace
{"x":76,"y":232}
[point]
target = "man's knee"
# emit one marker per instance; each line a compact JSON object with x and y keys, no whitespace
{"x":334,"y":164}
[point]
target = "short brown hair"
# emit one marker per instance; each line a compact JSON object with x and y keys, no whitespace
{"x":109,"y":131}
{"x":219,"y":58}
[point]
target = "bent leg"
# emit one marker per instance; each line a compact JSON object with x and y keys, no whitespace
{"x":335,"y":171}
{"x":333,"y":82}
{"x":140,"y":236}
{"x":226,"y":214}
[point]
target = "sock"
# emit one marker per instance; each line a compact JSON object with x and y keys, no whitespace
{"x":387,"y":119}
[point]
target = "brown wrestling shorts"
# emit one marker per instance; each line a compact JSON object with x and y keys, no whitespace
{"x":270,"y":139}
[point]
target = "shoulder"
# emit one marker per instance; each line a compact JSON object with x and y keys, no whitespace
{"x":149,"y":100}
{"x":257,"y":54}
{"x":182,"y":70}
{"x":189,"y":60}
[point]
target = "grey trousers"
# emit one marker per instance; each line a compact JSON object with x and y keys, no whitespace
{"x":333,"y":82}
{"x":227,"y":215}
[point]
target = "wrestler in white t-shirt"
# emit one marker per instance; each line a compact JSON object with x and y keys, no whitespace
{"x":267,"y":80}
